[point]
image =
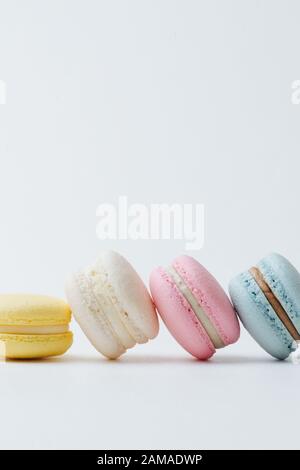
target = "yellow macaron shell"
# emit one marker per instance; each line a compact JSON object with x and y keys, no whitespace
{"x":33,"y":326}
{"x":27,"y":309}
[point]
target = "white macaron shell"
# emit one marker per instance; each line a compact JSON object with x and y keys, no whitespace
{"x":109,"y":307}
{"x":92,"y":323}
{"x":131,"y":294}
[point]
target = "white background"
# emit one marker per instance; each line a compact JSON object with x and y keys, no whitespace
{"x":162,"y":101}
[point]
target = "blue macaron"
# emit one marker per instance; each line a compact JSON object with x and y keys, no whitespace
{"x":267,"y":300}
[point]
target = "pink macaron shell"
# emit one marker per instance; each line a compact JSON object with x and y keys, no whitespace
{"x":178,"y":315}
{"x":210,"y":295}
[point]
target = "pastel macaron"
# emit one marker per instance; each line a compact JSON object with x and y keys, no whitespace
{"x":194,"y":307}
{"x":33,"y":326}
{"x":112,"y":305}
{"x":267,"y":300}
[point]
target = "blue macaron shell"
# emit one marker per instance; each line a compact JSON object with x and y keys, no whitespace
{"x":258,"y":316}
{"x":284,"y":281}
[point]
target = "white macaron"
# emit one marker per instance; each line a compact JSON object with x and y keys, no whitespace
{"x":112,"y":305}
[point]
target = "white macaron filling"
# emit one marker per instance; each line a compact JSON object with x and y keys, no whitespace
{"x":125,"y":329}
{"x":107,"y":312}
{"x":108,"y":309}
{"x":96,"y":317}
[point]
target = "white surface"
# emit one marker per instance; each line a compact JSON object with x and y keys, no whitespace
{"x":154,"y":397}
{"x":162,"y":101}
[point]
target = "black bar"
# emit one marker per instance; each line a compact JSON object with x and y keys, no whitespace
{"x":132,"y":459}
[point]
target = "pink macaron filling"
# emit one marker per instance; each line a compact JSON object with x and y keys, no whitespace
{"x":178,"y":315}
{"x":210,"y":296}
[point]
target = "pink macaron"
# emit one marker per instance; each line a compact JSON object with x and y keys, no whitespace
{"x":194,"y":307}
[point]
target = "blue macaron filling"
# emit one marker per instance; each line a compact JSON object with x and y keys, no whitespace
{"x":284,"y":281}
{"x":266,"y":310}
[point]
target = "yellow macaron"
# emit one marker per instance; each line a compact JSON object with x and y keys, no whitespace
{"x":33,"y":326}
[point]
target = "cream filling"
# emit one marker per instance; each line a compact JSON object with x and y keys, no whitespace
{"x":197,"y":309}
{"x":33,"y":330}
{"x":125,"y":329}
{"x":104,"y":308}
{"x":108,"y":308}
{"x":95,"y":308}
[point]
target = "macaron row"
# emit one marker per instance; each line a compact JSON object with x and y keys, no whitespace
{"x":116,"y":311}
